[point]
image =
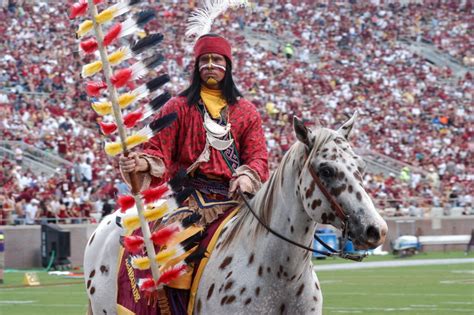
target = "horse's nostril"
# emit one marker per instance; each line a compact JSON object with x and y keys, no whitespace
{"x":373,"y":234}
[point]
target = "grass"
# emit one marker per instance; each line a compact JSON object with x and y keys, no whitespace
{"x":444,"y":289}
{"x":432,"y":255}
{"x":56,"y":295}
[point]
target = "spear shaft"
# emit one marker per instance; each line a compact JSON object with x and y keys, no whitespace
{"x":135,"y":185}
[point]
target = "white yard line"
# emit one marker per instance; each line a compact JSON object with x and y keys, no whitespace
{"x":396,"y":310}
{"x":385,"y":264}
{"x":14,"y":302}
{"x":351,"y":293}
{"x":34,"y":303}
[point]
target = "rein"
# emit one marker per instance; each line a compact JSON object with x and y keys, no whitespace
{"x":331,"y":251}
{"x":337,"y":209}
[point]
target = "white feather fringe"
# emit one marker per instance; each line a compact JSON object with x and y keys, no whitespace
{"x":201,"y":19}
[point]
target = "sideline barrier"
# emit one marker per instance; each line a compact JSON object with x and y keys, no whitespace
{"x":28,"y":238}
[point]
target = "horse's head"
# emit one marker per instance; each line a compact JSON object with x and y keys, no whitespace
{"x":331,"y":165}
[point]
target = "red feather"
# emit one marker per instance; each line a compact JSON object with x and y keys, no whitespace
{"x":154,"y":194}
{"x":93,"y":88}
{"x":171,"y":274}
{"x":89,"y":46}
{"x":131,"y":119}
{"x":134,"y":244}
{"x":162,"y":236}
{"x":130,"y":85}
{"x":121,"y":77}
{"x":112,"y":34}
{"x":125,"y":202}
{"x":107,"y":128}
{"x":147,"y":284}
{"x":78,"y":9}
{"x":98,"y":1}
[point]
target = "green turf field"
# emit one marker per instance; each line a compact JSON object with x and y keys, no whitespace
{"x":445,"y":289}
{"x":408,"y":290}
{"x":56,"y":295}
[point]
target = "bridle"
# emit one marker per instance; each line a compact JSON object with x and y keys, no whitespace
{"x":335,"y":206}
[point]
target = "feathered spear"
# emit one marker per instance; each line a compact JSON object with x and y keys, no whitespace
{"x":114,"y":100}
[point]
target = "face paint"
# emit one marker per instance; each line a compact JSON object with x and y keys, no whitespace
{"x":211,"y":81}
{"x":212,"y":69}
{"x":209,"y":65}
{"x":212,"y":65}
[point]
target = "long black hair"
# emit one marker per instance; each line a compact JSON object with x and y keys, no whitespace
{"x":229,"y":89}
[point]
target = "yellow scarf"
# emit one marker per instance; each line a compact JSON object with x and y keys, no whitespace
{"x":213,"y":101}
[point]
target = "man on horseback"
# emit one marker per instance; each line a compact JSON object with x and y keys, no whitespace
{"x":217,"y":138}
{"x":233,"y":156}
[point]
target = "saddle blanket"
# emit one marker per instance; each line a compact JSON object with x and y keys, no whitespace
{"x":177,"y":296}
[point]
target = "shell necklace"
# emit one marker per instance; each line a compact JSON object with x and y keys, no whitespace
{"x":216,"y":134}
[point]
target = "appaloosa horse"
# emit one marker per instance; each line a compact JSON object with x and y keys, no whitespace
{"x":251,"y":271}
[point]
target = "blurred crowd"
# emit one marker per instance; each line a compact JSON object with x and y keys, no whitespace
{"x":306,"y":58}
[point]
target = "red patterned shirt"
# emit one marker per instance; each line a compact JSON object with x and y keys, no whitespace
{"x":180,"y":144}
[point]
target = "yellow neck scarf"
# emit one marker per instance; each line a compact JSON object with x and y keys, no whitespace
{"x":213,"y":101}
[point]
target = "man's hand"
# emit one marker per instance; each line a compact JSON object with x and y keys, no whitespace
{"x":133,"y":163}
{"x":243,"y":183}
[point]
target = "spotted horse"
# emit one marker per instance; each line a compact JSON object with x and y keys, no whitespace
{"x":250,"y":270}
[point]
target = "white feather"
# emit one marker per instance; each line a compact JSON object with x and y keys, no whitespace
{"x":129,"y":26}
{"x":201,"y":19}
{"x":141,"y":92}
{"x":139,"y":69}
{"x":145,"y":131}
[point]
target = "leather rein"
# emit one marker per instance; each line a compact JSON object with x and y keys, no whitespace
{"x":336,"y":207}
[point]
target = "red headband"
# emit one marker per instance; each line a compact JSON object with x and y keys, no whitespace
{"x":211,"y":44}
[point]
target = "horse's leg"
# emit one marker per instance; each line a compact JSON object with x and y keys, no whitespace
{"x":100,"y":267}
{"x":89,"y":308}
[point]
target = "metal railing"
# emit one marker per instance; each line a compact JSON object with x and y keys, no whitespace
{"x":38,"y":94}
{"x":38,"y":155}
{"x":43,"y":220}
{"x":36,"y":167}
{"x":385,"y":163}
{"x":440,"y":58}
{"x":426,"y":212}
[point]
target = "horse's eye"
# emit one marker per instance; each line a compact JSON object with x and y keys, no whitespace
{"x":326,"y":171}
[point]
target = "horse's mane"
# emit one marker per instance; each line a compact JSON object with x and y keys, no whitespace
{"x":263,"y":201}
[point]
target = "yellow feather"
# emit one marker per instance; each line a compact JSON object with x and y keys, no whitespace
{"x":126,"y":99}
{"x":141,"y":263}
{"x":131,"y":223}
{"x":113,"y":148}
{"x":91,"y":68}
{"x":84,"y":28}
{"x":106,"y":15}
{"x":165,"y":255}
{"x":177,"y":259}
{"x":155,"y":213}
{"x":102,"y":108}
{"x":135,"y":140}
{"x":184,"y":235}
{"x":118,"y":56}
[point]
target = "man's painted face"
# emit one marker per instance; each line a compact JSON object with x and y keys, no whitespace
{"x":212,"y":69}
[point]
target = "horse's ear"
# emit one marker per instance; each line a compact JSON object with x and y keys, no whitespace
{"x":302,"y":133}
{"x":346,"y":128}
{"x":317,"y":122}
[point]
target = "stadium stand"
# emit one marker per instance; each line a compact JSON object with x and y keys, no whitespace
{"x":415,"y":124}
